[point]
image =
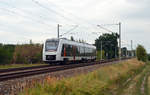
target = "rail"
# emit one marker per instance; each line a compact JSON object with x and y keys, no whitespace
{"x":8,"y":74}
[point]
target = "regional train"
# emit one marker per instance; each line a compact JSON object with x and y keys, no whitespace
{"x":63,"y":50}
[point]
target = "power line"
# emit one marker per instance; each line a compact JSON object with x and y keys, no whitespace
{"x":51,"y":10}
{"x":85,"y":21}
{"x":69,"y":30}
{"x":27,"y":12}
{"x":105,"y":28}
{"x":25,"y":17}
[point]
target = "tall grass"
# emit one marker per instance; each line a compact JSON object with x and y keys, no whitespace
{"x":149,"y":85}
{"x":94,"y":83}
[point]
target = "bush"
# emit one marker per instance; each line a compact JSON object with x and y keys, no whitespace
{"x":28,"y":53}
{"x":6,"y":53}
{"x":99,"y":55}
{"x":141,"y":53}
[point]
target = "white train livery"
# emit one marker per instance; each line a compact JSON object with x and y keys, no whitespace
{"x":62,"y":50}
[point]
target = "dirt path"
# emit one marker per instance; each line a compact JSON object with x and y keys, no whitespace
{"x":136,"y":85}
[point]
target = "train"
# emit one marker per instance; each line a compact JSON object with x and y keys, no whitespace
{"x":63,"y":50}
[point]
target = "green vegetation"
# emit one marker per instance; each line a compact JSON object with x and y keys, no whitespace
{"x":29,"y":53}
{"x":149,"y":85}
{"x":99,"y":55}
{"x":137,"y":84}
{"x":26,"y":53}
{"x":99,"y":82}
{"x":109,"y":44}
{"x":141,"y":53}
{"x":6,"y":53}
{"x":148,"y":57}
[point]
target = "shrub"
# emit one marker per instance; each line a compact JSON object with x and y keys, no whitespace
{"x":6,"y":53}
{"x":141,"y":53}
{"x":99,"y":55}
{"x":28,"y":53}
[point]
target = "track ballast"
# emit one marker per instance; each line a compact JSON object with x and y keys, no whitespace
{"x":8,"y":74}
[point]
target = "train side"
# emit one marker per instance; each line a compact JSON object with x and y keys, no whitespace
{"x":62,"y":50}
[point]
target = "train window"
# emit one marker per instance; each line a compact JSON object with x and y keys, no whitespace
{"x":88,"y":52}
{"x":63,"y":50}
{"x":81,"y":51}
{"x":51,"y":45}
{"x":85,"y":50}
{"x":78,"y":51}
{"x":69,"y":49}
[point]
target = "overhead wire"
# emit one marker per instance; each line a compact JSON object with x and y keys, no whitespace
{"x":24,"y":16}
{"x":69,"y":30}
{"x":52,"y":11}
{"x":81,"y":19}
{"x":105,"y":29}
{"x":55,"y":12}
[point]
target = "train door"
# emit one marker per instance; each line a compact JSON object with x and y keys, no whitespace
{"x":74,"y":53}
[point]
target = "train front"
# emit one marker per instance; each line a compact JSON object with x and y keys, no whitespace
{"x":50,"y":49}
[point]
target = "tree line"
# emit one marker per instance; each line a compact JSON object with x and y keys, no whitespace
{"x":109,"y":45}
{"x":32,"y":53}
{"x":20,"y":54}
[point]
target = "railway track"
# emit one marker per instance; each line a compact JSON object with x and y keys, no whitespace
{"x":8,"y":74}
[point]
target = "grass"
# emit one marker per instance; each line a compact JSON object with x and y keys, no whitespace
{"x":6,"y":66}
{"x":137,"y":81}
{"x":149,"y":85}
{"x":99,"y":82}
{"x":128,"y":84}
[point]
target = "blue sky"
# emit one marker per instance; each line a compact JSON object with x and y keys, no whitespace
{"x":22,"y":20}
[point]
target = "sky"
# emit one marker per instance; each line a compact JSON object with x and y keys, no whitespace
{"x":23,"y":20}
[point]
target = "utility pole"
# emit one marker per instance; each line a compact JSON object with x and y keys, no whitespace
{"x":101,"y":51}
{"x":120,"y":40}
{"x":119,"y":35}
{"x":58,"y":26}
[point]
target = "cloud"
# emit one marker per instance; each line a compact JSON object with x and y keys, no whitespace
{"x":31,"y":21}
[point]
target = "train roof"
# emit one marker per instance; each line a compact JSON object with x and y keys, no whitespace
{"x":64,"y":39}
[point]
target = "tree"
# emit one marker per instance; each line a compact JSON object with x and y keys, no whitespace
{"x":109,"y":44}
{"x":148,"y":57}
{"x":6,"y":53}
{"x":141,"y":53}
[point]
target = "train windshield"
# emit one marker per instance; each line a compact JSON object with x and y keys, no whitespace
{"x":51,"y":45}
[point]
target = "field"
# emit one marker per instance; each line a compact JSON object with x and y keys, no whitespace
{"x":107,"y":80}
{"x":138,"y":84}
